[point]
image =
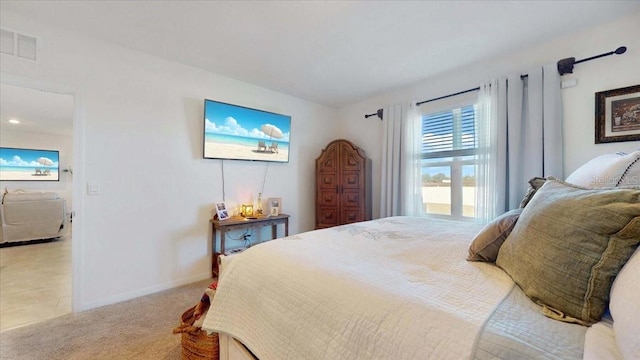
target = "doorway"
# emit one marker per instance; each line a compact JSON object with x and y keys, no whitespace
{"x":36,"y":281}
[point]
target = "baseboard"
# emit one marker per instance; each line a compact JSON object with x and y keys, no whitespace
{"x":143,"y":292}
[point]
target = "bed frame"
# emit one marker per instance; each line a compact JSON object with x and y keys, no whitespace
{"x":232,"y":349}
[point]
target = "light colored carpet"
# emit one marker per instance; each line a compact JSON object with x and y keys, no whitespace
{"x":136,"y":329}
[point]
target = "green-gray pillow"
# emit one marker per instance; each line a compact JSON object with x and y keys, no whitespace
{"x":568,"y":246}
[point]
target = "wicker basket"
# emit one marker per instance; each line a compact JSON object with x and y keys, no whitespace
{"x":196,"y":344}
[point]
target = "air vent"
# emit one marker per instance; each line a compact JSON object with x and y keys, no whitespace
{"x":19,"y":45}
{"x":7,"y":42}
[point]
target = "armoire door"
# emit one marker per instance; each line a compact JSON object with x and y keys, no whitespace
{"x":351,"y":184}
{"x":327,"y":187}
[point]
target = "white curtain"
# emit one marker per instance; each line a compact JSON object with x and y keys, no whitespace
{"x":400,"y":183}
{"x":520,"y":129}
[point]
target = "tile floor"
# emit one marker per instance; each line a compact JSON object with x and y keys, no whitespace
{"x":35,"y":282}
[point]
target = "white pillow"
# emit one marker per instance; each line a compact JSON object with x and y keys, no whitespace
{"x":624,"y":306}
{"x":608,"y":170}
{"x":600,"y":341}
{"x":632,"y":176}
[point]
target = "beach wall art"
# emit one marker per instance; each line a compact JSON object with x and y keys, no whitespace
{"x":29,"y":164}
{"x":240,"y":133}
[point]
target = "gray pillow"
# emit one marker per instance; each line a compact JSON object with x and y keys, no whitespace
{"x":487,"y":242}
{"x":534,"y":185}
{"x":568,"y":246}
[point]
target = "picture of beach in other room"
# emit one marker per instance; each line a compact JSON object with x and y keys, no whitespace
{"x":28,"y":164}
{"x":241,"y":133}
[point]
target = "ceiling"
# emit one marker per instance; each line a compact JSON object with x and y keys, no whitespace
{"x":38,"y":111}
{"x":329,"y":52}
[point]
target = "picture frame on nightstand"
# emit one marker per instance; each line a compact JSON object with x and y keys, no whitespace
{"x":275,"y":206}
{"x":221,"y":210}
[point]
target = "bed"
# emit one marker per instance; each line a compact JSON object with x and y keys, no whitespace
{"x":556,"y":279}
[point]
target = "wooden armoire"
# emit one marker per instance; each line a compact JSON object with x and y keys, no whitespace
{"x":343,"y":185}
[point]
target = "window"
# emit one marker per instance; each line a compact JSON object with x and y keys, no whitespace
{"x":448,"y":159}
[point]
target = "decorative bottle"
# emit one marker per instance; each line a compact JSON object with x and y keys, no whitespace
{"x":259,"y":207}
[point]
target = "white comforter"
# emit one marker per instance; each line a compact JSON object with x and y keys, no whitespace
{"x":387,"y":288}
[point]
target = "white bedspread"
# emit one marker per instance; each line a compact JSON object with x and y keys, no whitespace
{"x":386,"y":289}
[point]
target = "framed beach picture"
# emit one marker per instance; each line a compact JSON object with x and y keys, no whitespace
{"x":221,"y":210}
{"x":275,"y":204}
{"x":29,"y":164}
{"x":241,"y":133}
{"x":618,"y":115}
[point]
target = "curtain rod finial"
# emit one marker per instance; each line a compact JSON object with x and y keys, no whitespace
{"x":621,"y":50}
{"x":377,"y":113}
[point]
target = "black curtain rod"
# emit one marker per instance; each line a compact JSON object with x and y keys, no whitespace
{"x":447,"y":96}
{"x":460,"y":93}
{"x":380,"y":111}
{"x":565,"y":66}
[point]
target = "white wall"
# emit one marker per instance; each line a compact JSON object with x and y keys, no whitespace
{"x":31,"y":140}
{"x":598,"y":75}
{"x":139,"y":122}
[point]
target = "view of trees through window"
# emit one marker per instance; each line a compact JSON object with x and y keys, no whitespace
{"x":440,"y":178}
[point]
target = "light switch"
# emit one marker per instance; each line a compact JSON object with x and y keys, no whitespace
{"x":93,"y":188}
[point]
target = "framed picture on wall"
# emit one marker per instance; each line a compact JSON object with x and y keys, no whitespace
{"x":618,"y":115}
{"x":221,"y":210}
{"x":275,"y":204}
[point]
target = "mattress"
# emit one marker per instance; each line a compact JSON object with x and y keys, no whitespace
{"x":397,"y":287}
{"x":518,"y":330}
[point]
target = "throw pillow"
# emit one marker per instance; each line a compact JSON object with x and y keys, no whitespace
{"x":569,"y":244}
{"x":625,"y":308}
{"x":534,"y":184}
{"x":487,"y":242}
{"x":608,"y":170}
